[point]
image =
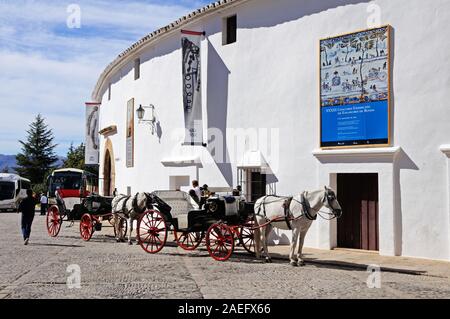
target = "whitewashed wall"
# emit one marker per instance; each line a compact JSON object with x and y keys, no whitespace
{"x":269,"y":79}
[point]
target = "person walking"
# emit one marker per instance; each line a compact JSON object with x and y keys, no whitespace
{"x":27,"y":208}
{"x":44,"y":204}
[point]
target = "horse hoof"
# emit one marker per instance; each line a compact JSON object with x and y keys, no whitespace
{"x":294,"y":264}
{"x":130,"y":243}
{"x":268,"y":260}
{"x":301,"y":264}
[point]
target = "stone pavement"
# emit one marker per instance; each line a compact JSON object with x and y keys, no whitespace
{"x":110,"y":270}
{"x":348,"y":258}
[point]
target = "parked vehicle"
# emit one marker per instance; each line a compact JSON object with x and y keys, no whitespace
{"x":13,"y":189}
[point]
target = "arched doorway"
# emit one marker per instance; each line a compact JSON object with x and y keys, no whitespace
{"x":109,"y":173}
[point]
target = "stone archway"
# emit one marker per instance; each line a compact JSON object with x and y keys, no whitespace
{"x":109,"y":172}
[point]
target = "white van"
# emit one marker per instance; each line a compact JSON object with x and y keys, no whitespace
{"x":13,"y":189}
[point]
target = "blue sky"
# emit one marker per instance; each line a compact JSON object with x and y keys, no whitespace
{"x":48,"y":68}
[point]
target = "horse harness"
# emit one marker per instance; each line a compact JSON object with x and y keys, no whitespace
{"x":288,"y":216}
{"x":134,"y":205}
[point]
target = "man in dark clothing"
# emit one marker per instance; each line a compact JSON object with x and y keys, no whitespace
{"x":27,"y":208}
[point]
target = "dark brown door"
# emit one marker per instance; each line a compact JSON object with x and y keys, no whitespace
{"x":107,"y":175}
{"x":258,"y":186}
{"x":358,"y":196}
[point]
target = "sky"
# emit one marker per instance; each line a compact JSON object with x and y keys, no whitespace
{"x":50,"y":66}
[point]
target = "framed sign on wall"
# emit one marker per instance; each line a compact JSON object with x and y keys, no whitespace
{"x":355,"y":89}
{"x":130,"y":133}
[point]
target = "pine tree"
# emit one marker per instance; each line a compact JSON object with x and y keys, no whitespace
{"x":37,"y":157}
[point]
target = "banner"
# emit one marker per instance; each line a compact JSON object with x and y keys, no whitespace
{"x":92,"y":136}
{"x":192,"y":90}
{"x":130,"y":133}
{"x":355,"y":89}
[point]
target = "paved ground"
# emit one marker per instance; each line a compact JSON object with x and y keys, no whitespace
{"x":110,"y":270}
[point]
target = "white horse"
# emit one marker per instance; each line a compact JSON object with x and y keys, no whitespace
{"x":296,"y":213}
{"x":130,"y":208}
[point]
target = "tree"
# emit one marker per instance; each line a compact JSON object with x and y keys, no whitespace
{"x":75,"y":159}
{"x":37,"y":157}
{"x":330,"y":45}
{"x":5,"y":170}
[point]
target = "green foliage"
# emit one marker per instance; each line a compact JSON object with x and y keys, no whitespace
{"x":37,"y":157}
{"x":40,"y":188}
{"x":75,"y":159}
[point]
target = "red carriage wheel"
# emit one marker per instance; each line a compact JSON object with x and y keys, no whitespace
{"x":86,"y":227}
{"x":220,"y":242}
{"x":54,"y":221}
{"x":247,"y":236}
{"x":188,"y":241}
{"x":152,"y":231}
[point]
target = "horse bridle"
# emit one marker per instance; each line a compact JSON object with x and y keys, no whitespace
{"x":328,"y":198}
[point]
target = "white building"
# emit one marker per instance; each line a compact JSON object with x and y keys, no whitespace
{"x":395,"y":197}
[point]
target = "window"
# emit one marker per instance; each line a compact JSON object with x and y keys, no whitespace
{"x":109,"y":92}
{"x":230,"y":30}
{"x":7,"y":190}
{"x":137,"y":69}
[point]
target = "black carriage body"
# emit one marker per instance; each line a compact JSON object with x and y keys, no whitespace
{"x":215,"y":211}
{"x":94,"y":205}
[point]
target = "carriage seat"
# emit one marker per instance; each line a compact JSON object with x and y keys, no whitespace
{"x":231,"y":206}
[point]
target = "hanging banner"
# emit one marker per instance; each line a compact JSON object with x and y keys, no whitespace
{"x":192,"y":90}
{"x":92,"y":146}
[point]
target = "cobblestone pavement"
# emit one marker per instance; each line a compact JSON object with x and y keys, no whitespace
{"x":111,"y":270}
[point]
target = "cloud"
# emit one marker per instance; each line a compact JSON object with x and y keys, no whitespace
{"x":51,"y":69}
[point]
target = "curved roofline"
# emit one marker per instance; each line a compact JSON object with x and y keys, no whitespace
{"x":156,"y":36}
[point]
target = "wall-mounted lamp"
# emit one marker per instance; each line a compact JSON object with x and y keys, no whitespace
{"x":140,"y":112}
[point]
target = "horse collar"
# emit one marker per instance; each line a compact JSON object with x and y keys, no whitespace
{"x":306,"y":208}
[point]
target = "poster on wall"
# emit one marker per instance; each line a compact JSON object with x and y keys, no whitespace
{"x":192,"y":86}
{"x":92,"y":147}
{"x":355,"y":89}
{"x":130,"y":133}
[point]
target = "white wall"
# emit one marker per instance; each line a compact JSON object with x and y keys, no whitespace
{"x":269,"y":79}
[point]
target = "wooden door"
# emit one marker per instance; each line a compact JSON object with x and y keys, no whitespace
{"x":358,"y":196}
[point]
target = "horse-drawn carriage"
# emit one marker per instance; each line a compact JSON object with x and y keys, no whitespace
{"x":92,"y":211}
{"x":221,"y":222}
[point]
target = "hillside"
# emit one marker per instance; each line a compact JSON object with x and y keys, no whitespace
{"x":9,"y":161}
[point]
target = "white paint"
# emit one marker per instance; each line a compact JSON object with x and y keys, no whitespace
{"x":269,"y":79}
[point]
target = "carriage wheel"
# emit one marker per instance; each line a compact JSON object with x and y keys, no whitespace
{"x":152,"y":231}
{"x":188,"y":241}
{"x":54,"y":221}
{"x":220,"y":242}
{"x":86,"y":227}
{"x":247,"y":236}
{"x":123,"y":225}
